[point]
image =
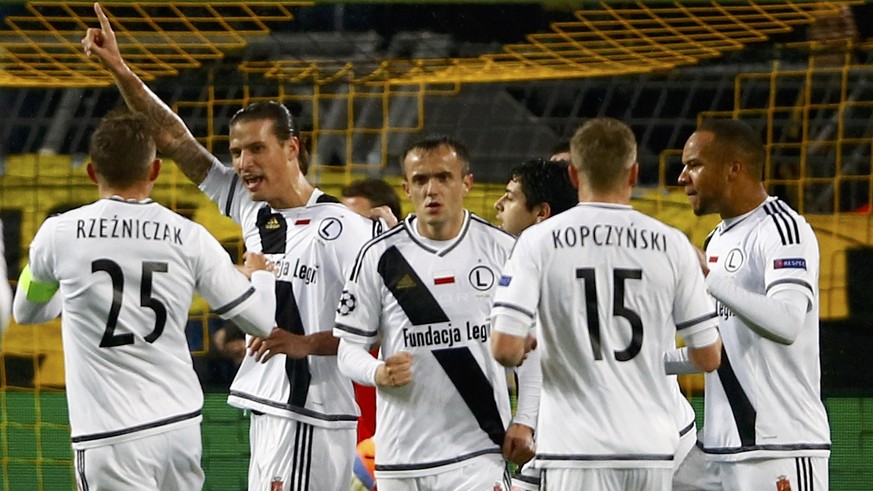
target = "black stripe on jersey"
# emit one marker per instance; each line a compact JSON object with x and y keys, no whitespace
{"x":288,"y":318}
{"x":786,"y":225}
{"x":787,"y":212}
{"x":431,"y":465}
{"x":273,"y":230}
{"x":80,"y":469}
{"x":416,"y":300}
{"x":512,"y":306}
{"x":790,"y":447}
{"x":410,"y":222}
{"x":744,"y":413}
{"x":475,"y":389}
{"x":326,"y":198}
{"x":134,"y":429}
{"x":685,"y":430}
{"x":375,"y":240}
{"x":298,"y":410}
{"x":707,"y":239}
{"x":604,"y":457}
{"x":354,"y":330}
{"x":793,"y":281}
{"x":230,"y":192}
{"x":528,"y":479}
{"x":696,"y":320}
{"x":230,"y":306}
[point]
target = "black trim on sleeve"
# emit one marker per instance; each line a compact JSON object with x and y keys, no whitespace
{"x":235,"y":303}
{"x":697,"y":320}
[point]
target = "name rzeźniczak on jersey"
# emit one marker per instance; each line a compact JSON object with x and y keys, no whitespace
{"x":313,"y":248}
{"x":432,"y":299}
{"x":127,"y":272}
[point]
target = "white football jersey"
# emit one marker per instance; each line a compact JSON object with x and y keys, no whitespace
{"x":611,"y":287}
{"x":313,"y":248}
{"x":127,"y":272}
{"x":432,"y":299}
{"x":765,"y":400}
{"x":5,"y":291}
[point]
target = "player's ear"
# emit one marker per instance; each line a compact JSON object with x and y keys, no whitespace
{"x":634,"y":174}
{"x":574,"y":176}
{"x":92,"y":173}
{"x":468,"y":183}
{"x":544,"y":211}
{"x":154,"y":169}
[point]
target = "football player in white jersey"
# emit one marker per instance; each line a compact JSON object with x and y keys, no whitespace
{"x":5,"y":291}
{"x":302,"y":433}
{"x":609,"y":287}
{"x":123,"y":271}
{"x":538,"y":189}
{"x":424,"y":290}
{"x":764,"y":418}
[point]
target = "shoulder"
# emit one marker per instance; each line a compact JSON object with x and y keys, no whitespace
{"x":482,"y":227}
{"x":779,"y":224}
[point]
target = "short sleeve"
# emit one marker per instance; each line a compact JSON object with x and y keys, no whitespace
{"x":359,"y":309}
{"x":791,"y":259}
{"x":518,"y":290}
{"x":693,"y":308}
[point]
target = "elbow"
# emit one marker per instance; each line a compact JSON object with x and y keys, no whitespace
{"x":708,"y":358}
{"x":506,"y":350}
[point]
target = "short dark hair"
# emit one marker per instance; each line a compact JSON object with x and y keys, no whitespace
{"x":732,"y":136}
{"x":121,"y":148}
{"x":284,"y":127}
{"x":602,"y":150}
{"x":433,"y":142}
{"x":379,"y":193}
{"x":546,"y":181}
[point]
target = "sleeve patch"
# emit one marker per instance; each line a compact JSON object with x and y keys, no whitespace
{"x":791,"y":262}
{"x":505,"y":280}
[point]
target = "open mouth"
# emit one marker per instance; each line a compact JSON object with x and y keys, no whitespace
{"x":251,"y":182}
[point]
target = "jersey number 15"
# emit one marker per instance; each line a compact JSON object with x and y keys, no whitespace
{"x":618,"y":309}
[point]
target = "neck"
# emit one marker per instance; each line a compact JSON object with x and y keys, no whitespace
{"x":297,"y":194}
{"x":442,"y":231}
{"x":618,"y":196}
{"x":750,"y":198}
{"x":137,"y":192}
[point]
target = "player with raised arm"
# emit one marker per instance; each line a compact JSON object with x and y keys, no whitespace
{"x":763,"y":409}
{"x":302,"y":433}
{"x":424,"y":289}
{"x":626,"y":284}
{"x":123,"y":271}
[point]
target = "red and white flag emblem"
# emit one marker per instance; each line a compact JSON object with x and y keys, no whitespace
{"x":443,"y":277}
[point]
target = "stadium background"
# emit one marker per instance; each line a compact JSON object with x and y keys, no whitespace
{"x":511,"y":79}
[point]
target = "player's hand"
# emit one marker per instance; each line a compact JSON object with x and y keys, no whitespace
{"x":280,"y":341}
{"x":254,"y":261}
{"x":384,"y":212}
{"x":396,"y":371}
{"x":530,"y":344}
{"x":101,"y":42}
{"x":518,"y":445}
{"x":701,"y":258}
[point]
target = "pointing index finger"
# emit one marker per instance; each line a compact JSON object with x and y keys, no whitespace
{"x":104,"y":21}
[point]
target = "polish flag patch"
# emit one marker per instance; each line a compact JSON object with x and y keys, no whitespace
{"x":712,"y":259}
{"x":443,"y":277}
{"x":302,"y":221}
